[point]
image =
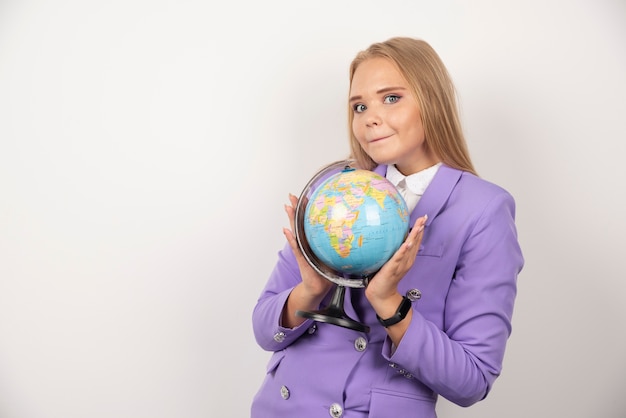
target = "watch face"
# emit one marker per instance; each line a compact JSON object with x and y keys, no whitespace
{"x":405,"y":306}
{"x":400,"y":314}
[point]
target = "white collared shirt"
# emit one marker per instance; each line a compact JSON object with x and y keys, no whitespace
{"x":411,"y":187}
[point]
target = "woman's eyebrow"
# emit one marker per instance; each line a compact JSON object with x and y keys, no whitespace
{"x":383,"y":90}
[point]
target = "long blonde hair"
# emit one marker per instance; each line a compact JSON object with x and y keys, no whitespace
{"x":431,"y":84}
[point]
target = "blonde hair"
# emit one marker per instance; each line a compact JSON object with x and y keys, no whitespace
{"x":431,"y":84}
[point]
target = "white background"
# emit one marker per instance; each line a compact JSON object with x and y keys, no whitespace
{"x":147,"y":149}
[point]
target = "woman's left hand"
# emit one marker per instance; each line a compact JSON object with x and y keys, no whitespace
{"x":383,"y":287}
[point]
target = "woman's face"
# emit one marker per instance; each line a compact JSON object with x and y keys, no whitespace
{"x":387,"y":119}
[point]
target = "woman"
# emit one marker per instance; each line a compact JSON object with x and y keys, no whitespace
{"x":440,"y":309}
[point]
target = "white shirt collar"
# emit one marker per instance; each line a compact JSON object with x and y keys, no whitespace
{"x":416,"y":182}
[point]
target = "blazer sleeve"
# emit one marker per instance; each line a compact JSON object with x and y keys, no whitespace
{"x":462,"y":361}
{"x":267,"y":313}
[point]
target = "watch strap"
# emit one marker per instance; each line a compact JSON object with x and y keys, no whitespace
{"x":401,"y":312}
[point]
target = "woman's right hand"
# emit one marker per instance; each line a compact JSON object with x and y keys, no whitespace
{"x":308,"y":294}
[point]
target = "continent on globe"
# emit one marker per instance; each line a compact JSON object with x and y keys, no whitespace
{"x":355,"y":221}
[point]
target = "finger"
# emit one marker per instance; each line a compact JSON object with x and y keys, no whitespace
{"x":291,"y":214}
{"x":293,"y":243}
{"x":416,"y":234}
{"x":291,"y":210}
{"x":294,"y":202}
{"x":290,"y":234}
{"x":291,"y":239}
{"x":398,"y":256}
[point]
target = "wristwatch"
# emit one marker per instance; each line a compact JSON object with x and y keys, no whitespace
{"x":403,"y":310}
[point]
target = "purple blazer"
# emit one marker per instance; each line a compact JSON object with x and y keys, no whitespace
{"x":466,"y":270}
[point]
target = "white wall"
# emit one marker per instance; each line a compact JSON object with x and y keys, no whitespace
{"x":135,"y":135}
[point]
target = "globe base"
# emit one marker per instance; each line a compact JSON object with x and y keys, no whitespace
{"x":335,"y":314}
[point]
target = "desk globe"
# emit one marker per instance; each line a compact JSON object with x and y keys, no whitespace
{"x":349,"y":222}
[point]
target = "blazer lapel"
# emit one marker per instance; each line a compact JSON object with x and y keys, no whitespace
{"x":436,"y":194}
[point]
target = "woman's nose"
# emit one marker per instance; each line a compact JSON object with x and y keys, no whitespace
{"x":373,"y":119}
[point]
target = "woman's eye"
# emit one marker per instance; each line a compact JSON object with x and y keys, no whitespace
{"x":358,"y":108}
{"x":392,"y":98}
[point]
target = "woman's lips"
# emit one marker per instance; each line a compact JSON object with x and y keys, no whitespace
{"x":379,"y":139}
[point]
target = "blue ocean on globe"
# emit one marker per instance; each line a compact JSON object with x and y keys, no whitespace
{"x":355,"y":221}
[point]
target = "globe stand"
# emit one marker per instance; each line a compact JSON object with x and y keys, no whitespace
{"x":334,"y":313}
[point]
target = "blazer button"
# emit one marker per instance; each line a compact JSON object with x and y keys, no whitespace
{"x":312,"y":329}
{"x":284,"y":392}
{"x":360,"y":344}
{"x":335,"y":410}
{"x":413,"y":294}
{"x":279,"y":337}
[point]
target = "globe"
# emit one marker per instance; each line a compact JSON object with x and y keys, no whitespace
{"x":348,"y":223}
{"x":355,"y":221}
